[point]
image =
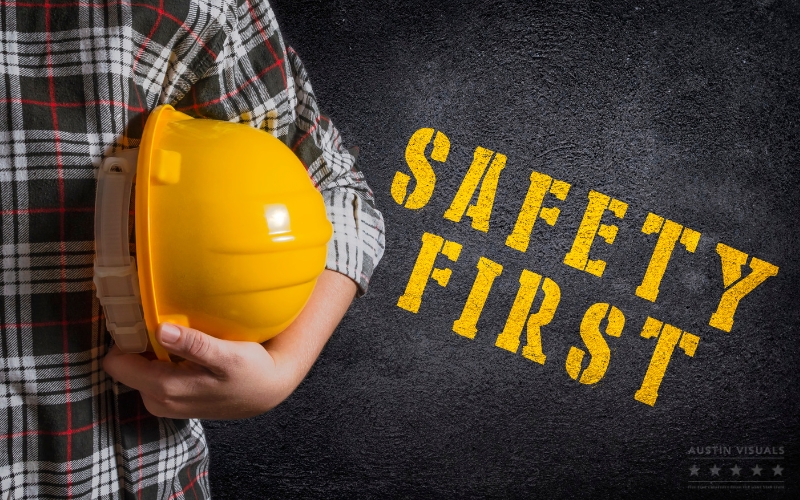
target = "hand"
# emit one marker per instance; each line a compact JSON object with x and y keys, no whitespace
{"x":222,"y":379}
{"x":217,"y":379}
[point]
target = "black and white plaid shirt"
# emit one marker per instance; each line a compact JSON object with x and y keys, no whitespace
{"x":77,"y":80}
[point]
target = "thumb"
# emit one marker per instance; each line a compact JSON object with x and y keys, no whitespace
{"x":194,"y":345}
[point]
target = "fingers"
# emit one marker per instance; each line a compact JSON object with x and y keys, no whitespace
{"x":167,"y":389}
{"x":193,"y":345}
{"x":132,"y":370}
{"x":151,"y":376}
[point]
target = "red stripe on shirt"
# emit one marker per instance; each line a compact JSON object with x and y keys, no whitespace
{"x":232,"y":93}
{"x":266,"y":39}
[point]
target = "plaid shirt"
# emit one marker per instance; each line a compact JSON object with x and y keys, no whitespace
{"x":77,"y":80}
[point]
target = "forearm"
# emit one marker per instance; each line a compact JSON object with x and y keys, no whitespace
{"x":296,"y":349}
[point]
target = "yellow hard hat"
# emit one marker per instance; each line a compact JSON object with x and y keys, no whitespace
{"x":231,"y":234}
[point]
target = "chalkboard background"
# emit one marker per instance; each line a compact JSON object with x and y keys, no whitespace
{"x":689,"y":110}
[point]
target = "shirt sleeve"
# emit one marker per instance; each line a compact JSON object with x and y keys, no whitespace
{"x":256,"y":79}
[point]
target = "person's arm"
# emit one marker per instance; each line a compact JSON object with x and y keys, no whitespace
{"x":221,"y":379}
{"x":224,"y":379}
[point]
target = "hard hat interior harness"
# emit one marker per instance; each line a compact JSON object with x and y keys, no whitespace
{"x":115,"y":275}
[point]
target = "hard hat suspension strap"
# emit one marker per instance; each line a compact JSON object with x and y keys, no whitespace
{"x":115,"y":274}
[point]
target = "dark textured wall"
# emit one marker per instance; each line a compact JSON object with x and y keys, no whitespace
{"x":689,"y":110}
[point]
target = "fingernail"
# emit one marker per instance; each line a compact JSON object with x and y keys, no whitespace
{"x":170,"y":333}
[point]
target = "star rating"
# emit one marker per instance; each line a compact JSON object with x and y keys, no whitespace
{"x":694,"y":470}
